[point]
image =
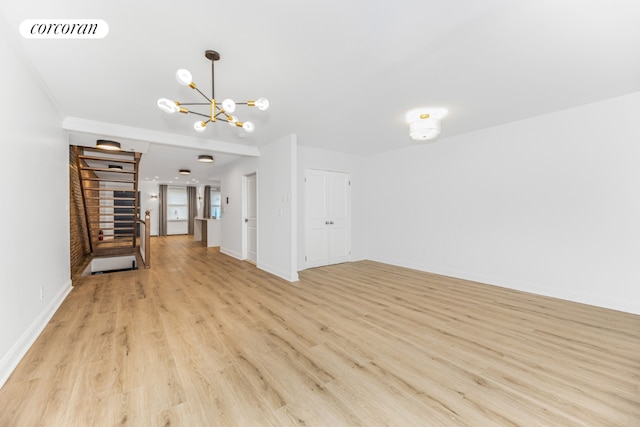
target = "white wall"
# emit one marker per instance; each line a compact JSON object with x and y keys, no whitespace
{"x":231,"y":189}
{"x":549,"y":205}
{"x":314,"y":158}
{"x":148,"y":189}
{"x":277,"y":208}
{"x":35,"y":189}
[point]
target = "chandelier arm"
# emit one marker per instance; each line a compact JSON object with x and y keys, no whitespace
{"x":195,"y":103}
{"x":203,"y":95}
{"x":200,"y":114}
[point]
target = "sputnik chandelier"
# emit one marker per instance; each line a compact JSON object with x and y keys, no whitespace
{"x":217,"y":111}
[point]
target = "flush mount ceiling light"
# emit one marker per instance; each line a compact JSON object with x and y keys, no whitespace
{"x":184,"y":171}
{"x":206,"y":158}
{"x":424,"y":123}
{"x":108,"y":145}
{"x":217,"y":110}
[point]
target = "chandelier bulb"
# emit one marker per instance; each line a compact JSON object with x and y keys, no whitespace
{"x":199,"y":126}
{"x":262,"y":103}
{"x":228,"y":105}
{"x":183,"y":77}
{"x":248,"y":127}
{"x":168,"y":106}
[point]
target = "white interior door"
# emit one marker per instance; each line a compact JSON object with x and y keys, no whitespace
{"x":327,"y":207}
{"x":251,"y":218}
{"x":317,"y":230}
{"x":338,"y":205}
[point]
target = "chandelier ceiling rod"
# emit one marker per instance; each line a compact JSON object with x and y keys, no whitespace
{"x":213,"y":56}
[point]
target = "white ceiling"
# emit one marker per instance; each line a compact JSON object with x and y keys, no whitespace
{"x":339,"y":74}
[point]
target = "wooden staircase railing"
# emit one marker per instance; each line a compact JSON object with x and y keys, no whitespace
{"x":109,"y":186}
{"x":145,"y":239}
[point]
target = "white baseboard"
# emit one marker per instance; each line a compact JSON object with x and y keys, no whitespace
{"x":573,"y":295}
{"x":290,"y":277}
{"x":276,"y":272}
{"x":231,"y":253}
{"x":10,"y":360}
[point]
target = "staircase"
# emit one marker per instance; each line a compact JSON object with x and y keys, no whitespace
{"x":109,"y":185}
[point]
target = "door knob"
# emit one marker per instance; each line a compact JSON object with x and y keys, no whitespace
{"x":246,"y":220}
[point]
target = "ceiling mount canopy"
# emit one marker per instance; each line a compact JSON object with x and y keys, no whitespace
{"x":218,"y":111}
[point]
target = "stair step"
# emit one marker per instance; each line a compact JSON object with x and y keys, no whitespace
{"x":110,"y":198}
{"x":128,"y":181}
{"x":87,"y":168}
{"x":111,"y":221}
{"x":110,"y":153}
{"x":105,"y":159}
{"x":118,"y":238}
{"x":120,"y":220}
{"x":110,"y":206}
{"x":122,"y":189}
{"x":114,"y":250}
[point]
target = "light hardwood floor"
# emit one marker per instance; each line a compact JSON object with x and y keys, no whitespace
{"x":202,"y":339}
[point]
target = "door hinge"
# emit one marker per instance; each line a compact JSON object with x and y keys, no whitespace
{"x":305,"y":257}
{"x":349,"y":182}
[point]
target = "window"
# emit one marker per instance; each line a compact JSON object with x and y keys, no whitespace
{"x":216,"y":199}
{"x":177,"y":206}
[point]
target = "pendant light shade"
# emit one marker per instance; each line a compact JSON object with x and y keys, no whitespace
{"x":424,"y":123}
{"x":108,"y":145}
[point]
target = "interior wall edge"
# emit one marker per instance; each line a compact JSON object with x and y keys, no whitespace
{"x":278,"y":272}
{"x":231,"y":253}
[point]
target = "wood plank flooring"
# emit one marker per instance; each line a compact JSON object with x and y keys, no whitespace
{"x":202,"y":339}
